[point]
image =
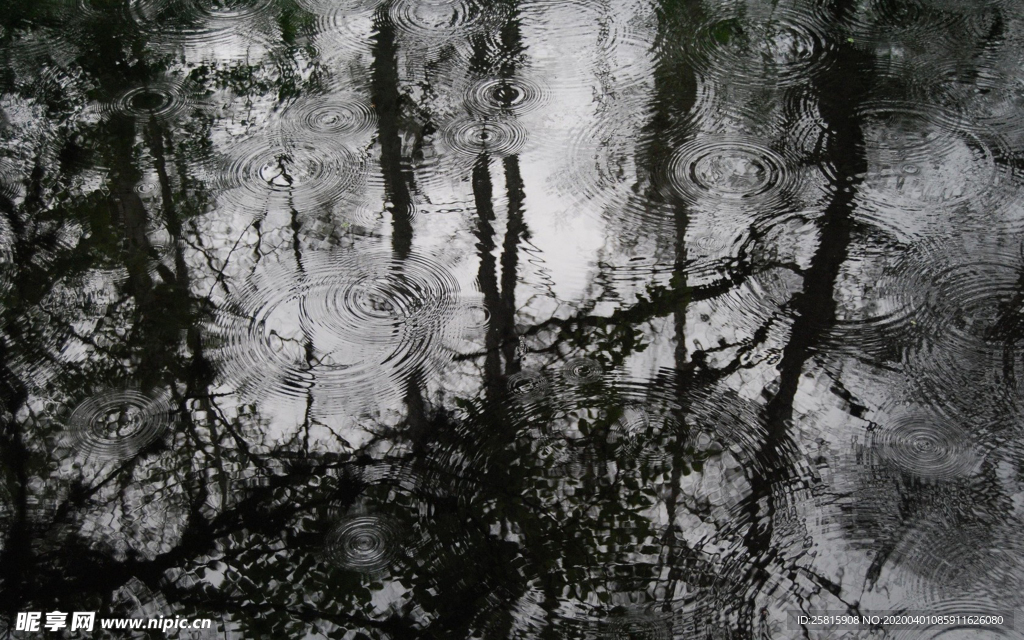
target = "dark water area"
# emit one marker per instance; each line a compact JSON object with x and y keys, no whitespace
{"x":523,"y":319}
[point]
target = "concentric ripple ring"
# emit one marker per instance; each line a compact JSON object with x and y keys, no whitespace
{"x":348,"y":324}
{"x":162,"y":99}
{"x":117,"y":424}
{"x":496,"y":137}
{"x":581,"y":370}
{"x":724,"y":171}
{"x":346,"y":116}
{"x":310,"y":173}
{"x":437,"y":18}
{"x":495,"y":96}
{"x":927,"y":446}
{"x":365,"y":544}
{"x":528,"y":385}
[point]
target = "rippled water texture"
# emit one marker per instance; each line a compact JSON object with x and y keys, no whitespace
{"x":513,"y":319}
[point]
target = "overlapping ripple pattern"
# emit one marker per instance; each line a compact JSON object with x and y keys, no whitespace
{"x":434,"y":18}
{"x":209,"y":23}
{"x":341,"y":325}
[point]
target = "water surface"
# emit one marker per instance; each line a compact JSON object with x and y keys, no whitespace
{"x":512,"y":319}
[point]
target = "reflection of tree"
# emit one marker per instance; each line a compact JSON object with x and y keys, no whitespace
{"x":838,"y":97}
{"x":389,"y":104}
{"x":155,"y":317}
{"x":675,"y":94}
{"x":487,"y":277}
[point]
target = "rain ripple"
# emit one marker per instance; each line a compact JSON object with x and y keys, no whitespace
{"x":117,"y":424}
{"x":341,"y":27}
{"x":349,"y":324}
{"x":163,"y":99}
{"x":582,"y":370}
{"x":927,"y":445}
{"x":607,"y":50}
{"x":730,"y":172}
{"x":916,"y":23}
{"x":977,"y":306}
{"x":922,"y":160}
{"x":941,"y":554}
{"x":311,"y":174}
{"x":339,"y":116}
{"x":783,"y":48}
{"x":437,"y":18}
{"x":210,"y":22}
{"x":475,"y":137}
{"x":968,"y":354}
{"x":528,"y":385}
{"x":631,"y":429}
{"x":636,"y":418}
{"x":365,"y":544}
{"x":497,"y":96}
{"x":470,"y":324}
{"x":884,"y":297}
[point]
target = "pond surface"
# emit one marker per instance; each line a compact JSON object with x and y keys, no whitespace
{"x":520,"y":319}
